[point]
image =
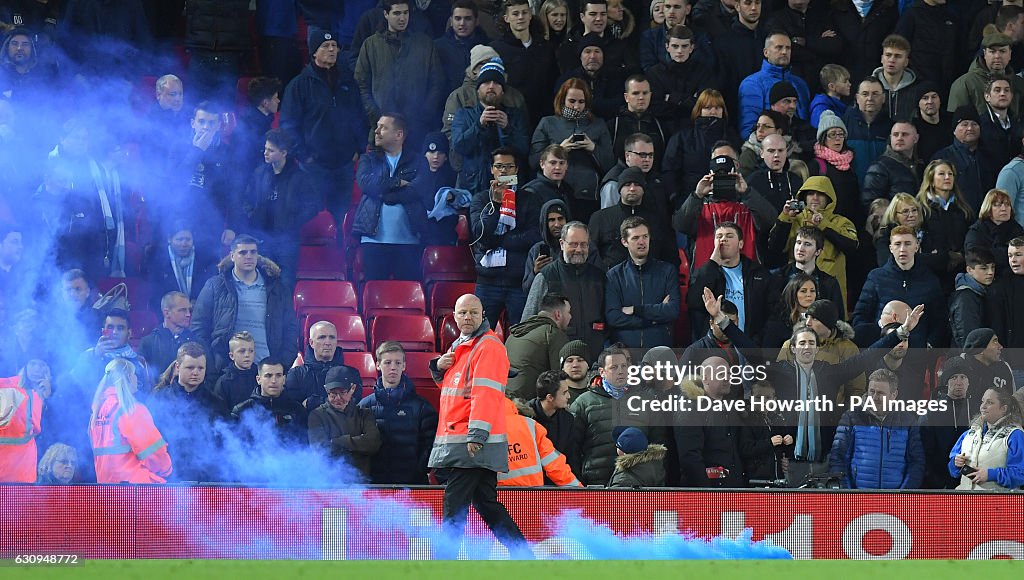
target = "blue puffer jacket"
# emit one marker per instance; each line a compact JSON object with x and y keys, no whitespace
{"x":407,"y":424}
{"x":754,"y":91}
{"x":644,"y":288}
{"x":878,"y":453}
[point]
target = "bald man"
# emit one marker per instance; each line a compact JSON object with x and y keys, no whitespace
{"x":306,"y":382}
{"x":471,"y":442}
{"x":773,"y":178}
{"x":894,"y":311}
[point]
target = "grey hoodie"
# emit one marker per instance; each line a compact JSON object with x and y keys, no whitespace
{"x":901,"y":99}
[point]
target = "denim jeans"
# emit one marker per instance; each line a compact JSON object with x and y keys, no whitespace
{"x":495,"y":298}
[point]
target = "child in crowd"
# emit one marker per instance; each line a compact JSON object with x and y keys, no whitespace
{"x":239,"y":378}
{"x":640,"y":464}
{"x":967,"y":305}
{"x":836,"y":81}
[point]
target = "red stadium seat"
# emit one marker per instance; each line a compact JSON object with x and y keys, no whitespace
{"x":332,"y":294}
{"x":463,"y":231}
{"x":363,"y":362}
{"x":242,"y":93}
{"x":418,"y":370}
{"x":393,"y":297}
{"x":414,"y":333}
{"x":443,"y":296}
{"x":447,"y":332}
{"x":432,"y":394}
{"x":319,"y":231}
{"x":684,"y":270}
{"x":448,"y":263}
{"x":321,"y":263}
{"x":351,"y":330}
{"x":139,"y":292}
{"x":141,"y":323}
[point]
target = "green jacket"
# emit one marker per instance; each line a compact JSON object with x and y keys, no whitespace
{"x":532,"y":347}
{"x":643,"y":469}
{"x":593,"y":418}
{"x":969,"y":89}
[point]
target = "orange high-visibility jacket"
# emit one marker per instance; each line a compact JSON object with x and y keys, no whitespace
{"x":127,"y":446}
{"x":472,"y":399}
{"x":531,"y":454}
{"x":19,"y":425}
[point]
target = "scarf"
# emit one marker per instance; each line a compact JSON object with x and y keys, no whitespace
{"x":863,"y":6}
{"x":808,"y":433}
{"x":840,"y":161}
{"x":507,"y":213}
{"x":124,"y":352}
{"x":615,"y":392}
{"x":573,"y":115}
{"x":183,"y":270}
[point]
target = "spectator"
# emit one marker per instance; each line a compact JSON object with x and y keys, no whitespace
{"x":382,"y":72}
{"x":897,"y":169}
{"x":1011,"y":180}
{"x":170,"y":99}
{"x":639,"y":463}
{"x":127,"y":445}
{"x":741,"y":47}
{"x":768,"y":123}
{"x":941,"y":428}
{"x":642,"y":293}
{"x":405,"y":420}
{"x":340,"y":427}
{"x":620,"y":21}
{"x":21,"y":414}
{"x":553,"y":216}
{"x":436,"y":174}
{"x":11,"y":248}
{"x":239,"y":378}
{"x":783,"y":99}
{"x":604,"y":81}
{"x":678,"y":80}
{"x":739,"y":279}
{"x":550,"y":408}
{"x":809,"y":25}
{"x":554,"y":19}
{"x":709,"y":441}
{"x":532,"y":458}
{"x":264,"y":99}
{"x":587,"y":140}
{"x":637,"y":116}
{"x":835,"y":81}
{"x":654,"y":42}
{"x":280,"y":199}
{"x":724,"y":338}
{"x":574,"y":276}
{"x":592,"y":418}
{"x":530,"y":63}
{"x":835,"y":344}
{"x":268,"y":409}
{"x":305,"y":383}
{"x":620,"y":56}
{"x":932,"y":121}
{"x":775,"y":178}
{"x":58,"y":466}
{"x":247,"y":295}
{"x":112,"y":343}
{"x":276,"y":29}
{"x":502,"y":217}
{"x":690,"y":147}
{"x":640,"y":154}
{"x":905,"y":210}
{"x":391,"y":218}
{"x":985,"y":364}
{"x":22,"y":71}
{"x":768,"y":443}
{"x":217,"y":36}
{"x":605,"y":224}
{"x":79,"y":296}
{"x":995,"y":227}
{"x":945,"y":211}
{"x":835,"y":161}
{"x":180,"y":266}
{"x":898,"y":80}
{"x":160,"y":347}
{"x":967,"y":307}
{"x":461,"y":35}
{"x":997,"y":465}
{"x":907,"y":279}
{"x":797,"y":295}
{"x":868,"y":125}
{"x":487,"y":125}
{"x":1000,"y":133}
{"x":975,"y":174}
{"x":861,"y":28}
{"x":320,"y":111}
{"x":875,"y":447}
{"x":969,"y":89}
{"x":754,"y":90}
{"x":533,"y":345}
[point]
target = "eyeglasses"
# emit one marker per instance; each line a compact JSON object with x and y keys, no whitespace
{"x":642,"y":155}
{"x":908,"y":211}
{"x":835,"y":135}
{"x":759,"y":126}
{"x":504,"y":166}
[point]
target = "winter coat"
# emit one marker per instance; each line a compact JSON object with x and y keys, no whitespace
{"x":475,"y":142}
{"x":892,"y":173}
{"x":626,"y":123}
{"x":276,"y":206}
{"x":710,"y":439}
{"x":817,"y":50}
{"x":19,"y":424}
{"x":159,"y":273}
{"x":407,"y":424}
{"x":620,"y":56}
{"x":823,"y":102}
{"x":472,"y":405}
{"x":939,"y":433}
{"x":350,"y":434}
{"x":969,"y":89}
{"x":532,"y":70}
{"x":653,"y":51}
{"x":835,"y":349}
{"x":777,"y":187}
{"x":644,"y":287}
{"x":867,"y":140}
{"x":560,"y":430}
{"x":758,"y":302}
{"x":876,"y":453}
{"x":532,"y":347}
{"x":593,"y":419}
{"x":483,"y":218}
{"x":324,"y":121}
{"x":284,"y":416}
{"x":828,"y":288}
{"x":216,"y":309}
{"x":453,"y":52}
{"x":862,"y":36}
{"x":307,"y":381}
{"x":605,"y":89}
{"x":193,"y":443}
{"x":585,"y":168}
{"x":999,"y":145}
{"x":532,"y":458}
{"x":235,"y":385}
{"x":915,"y":286}
{"x":974,"y":173}
{"x":604,"y":232}
{"x":160,"y":349}
{"x":951,"y":225}
{"x":986,"y":234}
{"x":998,"y":448}
{"x":744,"y":53}
{"x":642,"y":469}
{"x":761,"y":459}
{"x":675,"y":87}
{"x":688,"y":154}
{"x":584,"y":286}
{"x":933,"y":33}
{"x":900,"y":100}
{"x":126,"y":444}
{"x":655,"y":189}
{"x":217,"y":25}
{"x":754,"y":92}
{"x":997,"y":375}
{"x":546,"y":189}
{"x":381,"y":186}
{"x":389,"y":63}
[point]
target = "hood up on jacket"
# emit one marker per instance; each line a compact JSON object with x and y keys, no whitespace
{"x":964,"y":280}
{"x":548,"y":207}
{"x":819,"y":184}
{"x":5,"y":58}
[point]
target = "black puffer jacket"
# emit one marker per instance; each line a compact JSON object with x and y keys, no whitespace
{"x":862,"y":37}
{"x":593,"y":422}
{"x":891,"y":174}
{"x":688,"y":157}
{"x":710,"y":439}
{"x":286,"y":201}
{"x":407,"y":424}
{"x":217,"y":25}
{"x":307,"y":381}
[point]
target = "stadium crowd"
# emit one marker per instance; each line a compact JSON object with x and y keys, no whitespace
{"x":834,"y":187}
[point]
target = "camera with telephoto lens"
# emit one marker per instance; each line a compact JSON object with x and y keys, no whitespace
{"x":723,"y":185}
{"x":796,"y":205}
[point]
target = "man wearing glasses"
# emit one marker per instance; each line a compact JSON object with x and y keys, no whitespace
{"x":641,"y":153}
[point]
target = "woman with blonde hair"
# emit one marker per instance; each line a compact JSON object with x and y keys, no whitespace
{"x":990,"y":455}
{"x":58,"y":465}
{"x":905,"y":210}
{"x":126,"y":444}
{"x":947,"y":211}
{"x":621,"y":22}
{"x":995,"y":227}
{"x":555,"y":21}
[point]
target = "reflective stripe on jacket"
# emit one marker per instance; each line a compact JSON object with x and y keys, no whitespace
{"x":127,"y":446}
{"x":18,"y":429}
{"x":531,"y":454}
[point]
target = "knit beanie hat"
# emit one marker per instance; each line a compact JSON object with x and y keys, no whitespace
{"x":435,"y":141}
{"x":589,"y":40}
{"x":653,"y":4}
{"x":318,"y":38}
{"x":659,"y":354}
{"x":480,"y":54}
{"x":977,"y":340}
{"x":953,"y":366}
{"x":965,"y":113}
{"x":492,"y":70}
{"x":631,"y":440}
{"x":829,"y":120}
{"x":825,"y":312}
{"x":574,"y":348}
{"x":632,"y":175}
{"x":781,"y":90}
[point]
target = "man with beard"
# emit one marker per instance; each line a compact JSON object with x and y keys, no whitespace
{"x":575,"y":362}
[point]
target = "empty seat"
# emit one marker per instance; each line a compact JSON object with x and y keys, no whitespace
{"x":319,"y":231}
{"x":324,"y":294}
{"x":321,"y":263}
{"x":363,"y":362}
{"x":447,"y":332}
{"x":432,"y":394}
{"x":418,"y":370}
{"x":443,"y":296}
{"x":414,"y":333}
{"x":393,"y":297}
{"x":450,"y":263}
{"x":351,"y":330}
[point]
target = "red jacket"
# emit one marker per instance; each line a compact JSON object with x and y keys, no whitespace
{"x":531,"y":455}
{"x":21,"y":411}
{"x":127,"y":446}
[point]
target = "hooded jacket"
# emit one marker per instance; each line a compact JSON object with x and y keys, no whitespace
{"x":474,"y":142}
{"x":901,"y":100}
{"x":388,"y":64}
{"x":545,"y":189}
{"x":892,"y":173}
{"x":217,"y":308}
{"x":307,"y":381}
{"x":644,"y":287}
{"x":878,"y":453}
{"x":840,"y":233}
{"x":940,"y":432}
{"x":592,"y":432}
{"x":754,"y":92}
{"x":350,"y":434}
{"x":533,"y":346}
{"x":324,"y":121}
{"x":407,"y":424}
{"x":532,"y":457}
{"x":643,"y":469}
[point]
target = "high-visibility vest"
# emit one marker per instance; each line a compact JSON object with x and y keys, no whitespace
{"x":127,"y":446}
{"x":18,"y":453}
{"x":531,"y":454}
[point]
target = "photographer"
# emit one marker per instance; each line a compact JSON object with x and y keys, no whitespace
{"x":774,"y":178}
{"x":722,"y":196}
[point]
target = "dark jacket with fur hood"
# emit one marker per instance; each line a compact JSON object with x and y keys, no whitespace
{"x":643,"y":469}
